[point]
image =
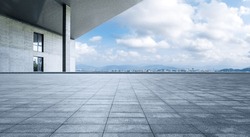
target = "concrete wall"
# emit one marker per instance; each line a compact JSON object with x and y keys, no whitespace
{"x":16,"y":47}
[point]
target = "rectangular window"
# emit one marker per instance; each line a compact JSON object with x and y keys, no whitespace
{"x":38,"y":42}
{"x":38,"y":64}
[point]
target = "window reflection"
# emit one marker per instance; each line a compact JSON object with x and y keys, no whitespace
{"x":38,"y":64}
{"x":38,"y":42}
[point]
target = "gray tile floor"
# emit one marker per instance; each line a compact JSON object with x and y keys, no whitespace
{"x":125,"y":105}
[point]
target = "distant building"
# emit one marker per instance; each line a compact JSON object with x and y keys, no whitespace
{"x":38,"y":35}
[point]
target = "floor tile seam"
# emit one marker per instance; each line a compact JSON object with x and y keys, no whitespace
{"x":47,"y":134}
{"x":121,"y":123}
{"x":177,"y":132}
{"x":227,"y":99}
{"x":51,"y":105}
{"x":94,"y":124}
{"x":43,"y":109}
{"x":193,"y":125}
{"x":68,"y":118}
{"x":226,"y":124}
{"x":222,"y":96}
{"x":70,"y":133}
{"x":129,"y":132}
{"x":180,"y":97}
{"x":23,"y":120}
{"x":180,"y":114}
{"x":51,"y":133}
{"x":104,"y":133}
{"x":60,"y":124}
{"x":168,"y":105}
{"x":27,"y":132}
{"x":127,"y":117}
{"x":209,"y":100}
{"x":81,"y":105}
{"x":146,"y":124}
{"x":90,"y":132}
{"x":25,"y":104}
{"x":61,"y":99}
{"x":89,"y":124}
{"x":212,"y":134}
{"x":141,"y":108}
{"x":127,"y":124}
{"x":241,"y":111}
{"x":111,"y":107}
{"x":109,"y":117}
{"x":43,"y":124}
{"x":182,"y":134}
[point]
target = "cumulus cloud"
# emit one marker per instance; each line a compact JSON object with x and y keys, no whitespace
{"x":95,"y":39}
{"x":199,"y":45}
{"x":217,"y":21}
{"x":127,"y":53}
{"x":174,"y":32}
{"x":91,"y":55}
{"x":142,"y":42}
{"x":244,"y":10}
{"x":160,"y":16}
{"x":208,"y":32}
{"x":86,"y":54}
{"x":83,"y":52}
{"x":83,"y":48}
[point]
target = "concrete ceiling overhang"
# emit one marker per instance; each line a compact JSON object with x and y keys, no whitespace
{"x":85,"y":14}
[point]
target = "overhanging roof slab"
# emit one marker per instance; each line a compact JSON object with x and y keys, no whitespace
{"x":85,"y":14}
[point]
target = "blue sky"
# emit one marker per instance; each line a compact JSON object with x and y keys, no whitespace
{"x":207,"y":34}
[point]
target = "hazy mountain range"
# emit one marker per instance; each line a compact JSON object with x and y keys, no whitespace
{"x":235,"y":70}
{"x":145,"y":68}
{"x":110,"y":68}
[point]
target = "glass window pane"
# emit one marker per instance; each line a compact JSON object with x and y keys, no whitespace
{"x":39,"y":48}
{"x":39,"y":38}
{"x":35,"y":37}
{"x":38,"y":64}
{"x":35,"y":47}
{"x":38,"y":42}
{"x":35,"y":64}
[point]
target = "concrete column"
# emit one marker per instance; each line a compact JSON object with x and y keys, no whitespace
{"x":66,"y":39}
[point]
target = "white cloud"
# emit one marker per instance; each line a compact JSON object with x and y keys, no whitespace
{"x":207,"y":33}
{"x":146,"y":42}
{"x":217,"y":21}
{"x":120,"y":56}
{"x":173,"y":32}
{"x":161,"y":17}
{"x":142,"y":42}
{"x":95,"y":39}
{"x":127,"y":54}
{"x":82,"y":49}
{"x":84,"y":52}
{"x":244,"y":10}
{"x":133,"y":54}
{"x":199,"y":45}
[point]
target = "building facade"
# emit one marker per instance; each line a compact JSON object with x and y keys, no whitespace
{"x":38,"y":35}
{"x":22,"y":43}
